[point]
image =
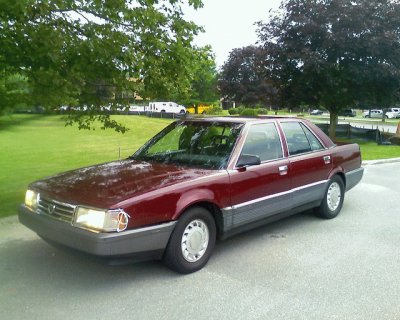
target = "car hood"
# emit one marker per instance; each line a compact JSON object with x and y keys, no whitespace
{"x":105,"y":185}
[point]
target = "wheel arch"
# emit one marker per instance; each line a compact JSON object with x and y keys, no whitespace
{"x":212,"y":208}
{"x":343,"y":177}
{"x":340,"y":174}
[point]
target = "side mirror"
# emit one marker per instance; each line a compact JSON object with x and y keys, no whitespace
{"x":248,"y":160}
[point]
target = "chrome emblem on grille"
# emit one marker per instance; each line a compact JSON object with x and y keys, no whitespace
{"x":51,"y":208}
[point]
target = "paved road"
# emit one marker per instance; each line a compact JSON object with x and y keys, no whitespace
{"x":298,"y":268}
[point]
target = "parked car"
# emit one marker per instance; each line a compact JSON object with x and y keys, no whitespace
{"x":393,"y":113}
{"x":348,"y":113}
{"x":316,"y":112}
{"x":195,"y":181}
{"x":374,"y":113}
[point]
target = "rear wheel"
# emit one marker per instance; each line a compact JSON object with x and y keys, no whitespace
{"x":333,"y":199}
{"x":192,"y":241}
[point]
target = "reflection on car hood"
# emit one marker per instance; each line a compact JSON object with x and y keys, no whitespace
{"x":106,"y":184}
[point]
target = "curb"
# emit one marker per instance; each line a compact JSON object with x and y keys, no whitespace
{"x":381,"y":161}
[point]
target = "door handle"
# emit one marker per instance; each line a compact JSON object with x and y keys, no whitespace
{"x":283,"y":170}
{"x":327,"y":159}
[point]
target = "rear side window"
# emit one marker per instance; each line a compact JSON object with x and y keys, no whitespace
{"x":314,"y":142}
{"x":263,"y":141}
{"x":299,"y":138}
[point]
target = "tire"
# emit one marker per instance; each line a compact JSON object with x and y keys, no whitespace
{"x":333,"y":199}
{"x":192,"y":241}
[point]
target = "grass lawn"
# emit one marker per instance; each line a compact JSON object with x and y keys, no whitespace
{"x":371,"y":151}
{"x":35,"y":146}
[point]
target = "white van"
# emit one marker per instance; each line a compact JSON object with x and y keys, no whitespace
{"x":169,"y":107}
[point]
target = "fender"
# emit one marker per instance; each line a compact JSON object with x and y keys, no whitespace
{"x":192,"y":197}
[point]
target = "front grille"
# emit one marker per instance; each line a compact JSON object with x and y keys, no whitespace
{"x":55,"y":209}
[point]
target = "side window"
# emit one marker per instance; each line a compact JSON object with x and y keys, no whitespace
{"x":295,"y":138}
{"x":314,"y":142}
{"x":263,"y":141}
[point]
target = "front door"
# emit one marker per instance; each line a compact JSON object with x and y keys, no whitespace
{"x":263,"y":190}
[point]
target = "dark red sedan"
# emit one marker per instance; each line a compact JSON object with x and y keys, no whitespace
{"x":195,"y":181}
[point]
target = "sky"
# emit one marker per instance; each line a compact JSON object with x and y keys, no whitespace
{"x":229,"y":24}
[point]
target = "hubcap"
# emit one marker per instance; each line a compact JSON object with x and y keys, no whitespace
{"x":333,"y":196}
{"x":194,"y":240}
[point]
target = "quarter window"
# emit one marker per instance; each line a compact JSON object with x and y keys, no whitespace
{"x":314,"y":142}
{"x":263,"y":141}
{"x":299,"y":138}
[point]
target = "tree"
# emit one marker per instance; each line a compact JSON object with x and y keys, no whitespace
{"x":85,"y":52}
{"x":335,"y":53}
{"x":14,"y":91}
{"x":204,"y":83}
{"x":243,"y":79}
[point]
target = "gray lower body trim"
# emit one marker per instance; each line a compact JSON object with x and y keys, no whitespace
{"x":353,"y":178}
{"x":233,"y":231}
{"x":148,"y":239}
{"x":251,"y":212}
{"x":266,"y":207}
{"x":309,"y":193}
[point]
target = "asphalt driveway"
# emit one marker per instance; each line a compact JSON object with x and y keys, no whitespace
{"x":298,"y":268}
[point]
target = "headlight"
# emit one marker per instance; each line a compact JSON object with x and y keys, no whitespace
{"x":31,"y":199}
{"x":102,"y":220}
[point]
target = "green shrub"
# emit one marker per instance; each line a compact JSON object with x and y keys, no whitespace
{"x":241,"y":108}
{"x":249,"y":112}
{"x":233,"y":111}
{"x":262,"y":111}
{"x":215,"y":110}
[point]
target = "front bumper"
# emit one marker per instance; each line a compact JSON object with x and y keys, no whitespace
{"x":139,"y":241}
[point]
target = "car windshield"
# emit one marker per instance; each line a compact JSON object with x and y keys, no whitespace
{"x":192,"y":143}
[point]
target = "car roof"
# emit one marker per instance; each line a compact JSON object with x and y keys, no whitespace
{"x":241,"y":119}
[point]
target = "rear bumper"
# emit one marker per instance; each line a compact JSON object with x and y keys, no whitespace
{"x":353,"y":178}
{"x":151,"y":239}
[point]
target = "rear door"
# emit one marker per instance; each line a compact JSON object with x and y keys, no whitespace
{"x":310,"y":163}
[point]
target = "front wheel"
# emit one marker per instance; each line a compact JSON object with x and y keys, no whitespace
{"x":192,"y":241}
{"x":333,"y":199}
